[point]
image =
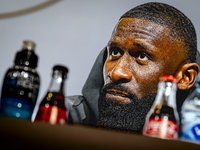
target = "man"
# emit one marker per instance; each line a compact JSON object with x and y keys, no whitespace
{"x":149,"y":41}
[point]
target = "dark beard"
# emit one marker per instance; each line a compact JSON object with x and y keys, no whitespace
{"x":124,"y":117}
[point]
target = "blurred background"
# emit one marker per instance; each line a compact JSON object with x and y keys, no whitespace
{"x":68,"y":32}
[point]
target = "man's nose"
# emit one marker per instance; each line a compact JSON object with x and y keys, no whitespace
{"x":121,"y":73}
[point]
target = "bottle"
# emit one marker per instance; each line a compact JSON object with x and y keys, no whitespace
{"x":52,"y":108}
{"x":162,"y":121}
{"x":190,"y":116}
{"x":21,"y":84}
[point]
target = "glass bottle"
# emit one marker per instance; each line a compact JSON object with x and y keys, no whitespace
{"x":21,"y":84}
{"x":162,"y":120}
{"x":52,"y":108}
{"x":190,"y":116}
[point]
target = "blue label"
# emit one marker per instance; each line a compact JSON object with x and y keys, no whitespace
{"x":196,"y":131}
{"x":17,"y":108}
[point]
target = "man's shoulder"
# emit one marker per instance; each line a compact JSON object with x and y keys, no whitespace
{"x":78,"y":110}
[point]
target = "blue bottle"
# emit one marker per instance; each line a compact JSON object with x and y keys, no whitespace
{"x":190,"y":116}
{"x":21,"y":84}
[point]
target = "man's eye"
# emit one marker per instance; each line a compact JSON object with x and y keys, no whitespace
{"x":143,"y":57}
{"x":115,"y":54}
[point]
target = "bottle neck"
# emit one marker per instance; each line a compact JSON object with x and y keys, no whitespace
{"x":26,"y":58}
{"x":57,"y":83}
{"x":167,"y":94}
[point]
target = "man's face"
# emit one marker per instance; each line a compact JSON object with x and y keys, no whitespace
{"x":139,"y":52}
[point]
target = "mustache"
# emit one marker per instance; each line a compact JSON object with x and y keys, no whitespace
{"x":117,"y":87}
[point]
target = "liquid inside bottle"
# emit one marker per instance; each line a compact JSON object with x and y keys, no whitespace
{"x":52,"y":109}
{"x":162,"y":123}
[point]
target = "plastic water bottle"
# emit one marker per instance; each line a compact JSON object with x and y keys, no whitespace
{"x":190,"y":116}
{"x":21,"y":84}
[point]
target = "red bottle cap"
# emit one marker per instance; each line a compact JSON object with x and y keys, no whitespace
{"x":168,"y":78}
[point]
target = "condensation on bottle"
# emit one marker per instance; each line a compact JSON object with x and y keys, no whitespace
{"x":162,"y":121}
{"x":52,"y":108}
{"x":190,"y":116}
{"x":21,"y":84}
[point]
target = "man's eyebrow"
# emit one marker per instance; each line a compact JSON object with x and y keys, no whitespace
{"x":112,"y":43}
{"x":146,"y":46}
{"x":142,"y":45}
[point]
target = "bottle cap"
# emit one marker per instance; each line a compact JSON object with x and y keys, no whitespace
{"x":28,"y":45}
{"x":27,"y":56}
{"x":61,"y":68}
{"x":168,"y":78}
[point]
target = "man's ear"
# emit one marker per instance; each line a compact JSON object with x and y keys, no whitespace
{"x":187,"y":76}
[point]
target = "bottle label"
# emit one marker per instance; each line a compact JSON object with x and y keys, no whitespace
{"x":191,"y":131}
{"x":161,"y":128}
{"x":21,"y":84}
{"x":51,"y":114}
{"x":17,"y":108}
